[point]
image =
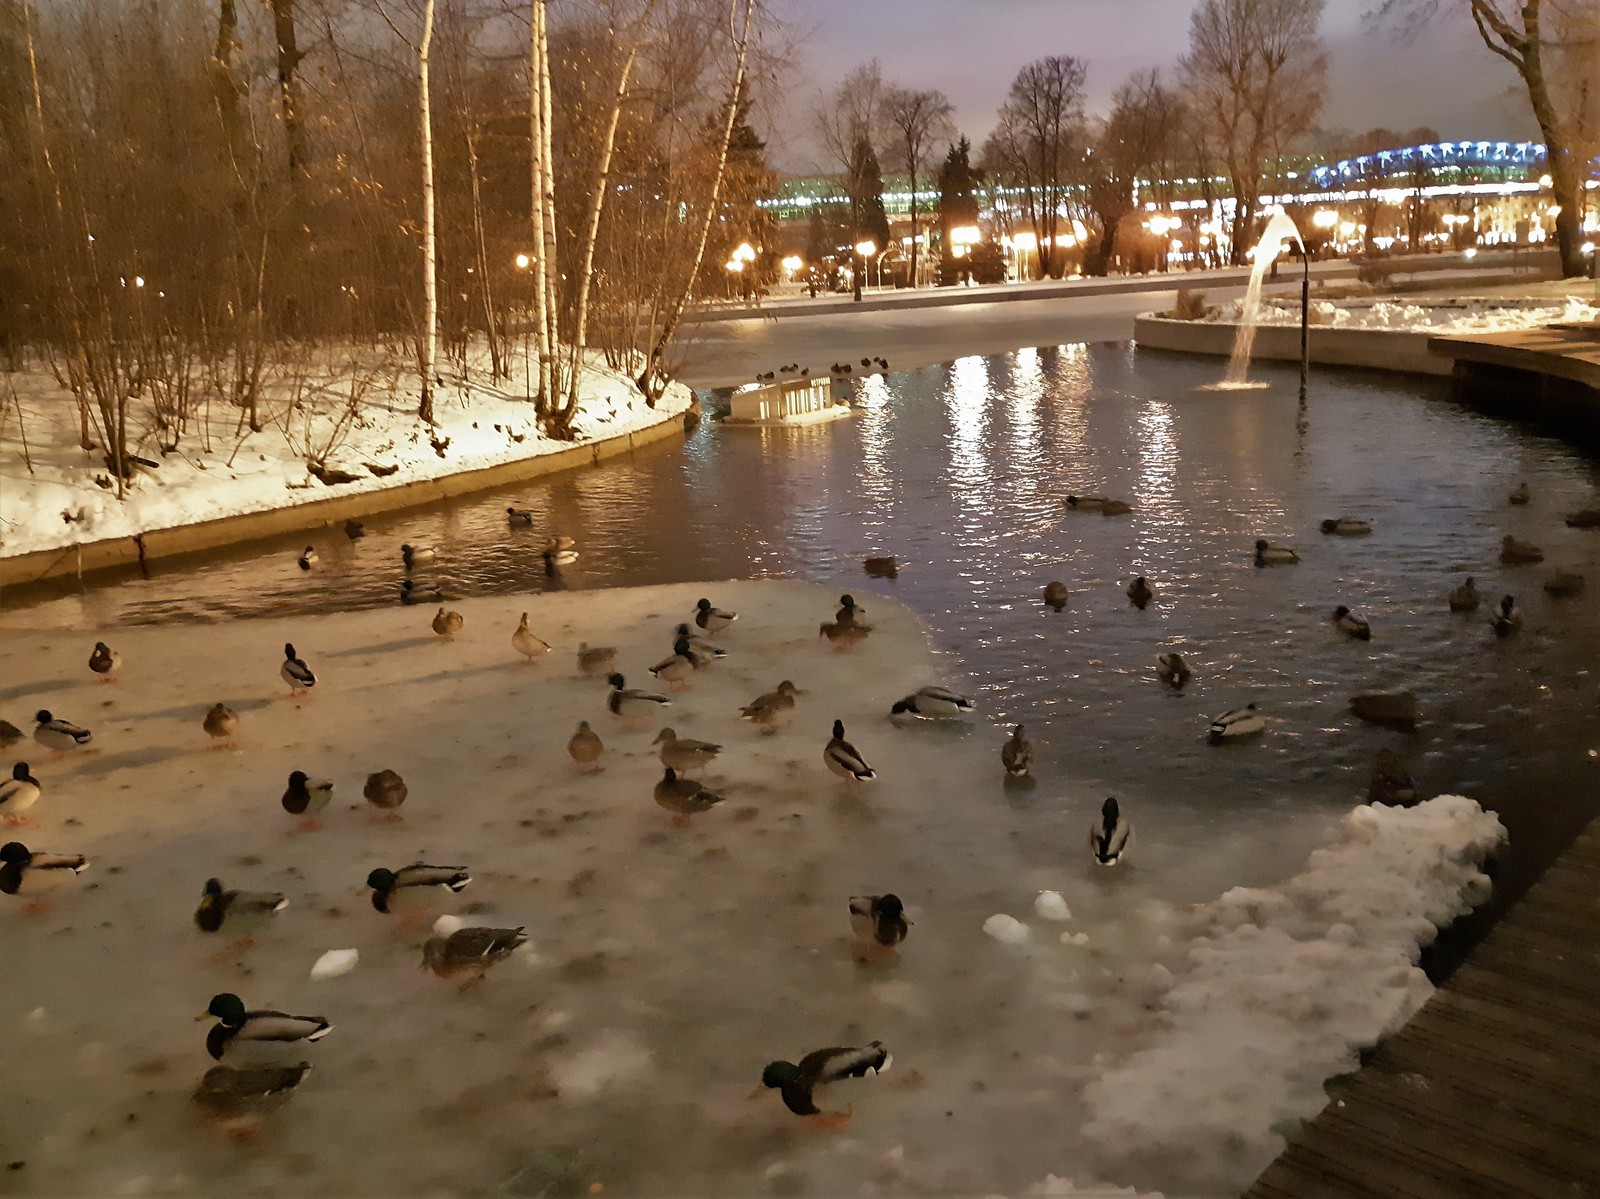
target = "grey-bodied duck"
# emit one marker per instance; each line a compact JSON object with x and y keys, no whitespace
{"x":799,"y":1084}
{"x":844,"y":760}
{"x":238,"y":1028}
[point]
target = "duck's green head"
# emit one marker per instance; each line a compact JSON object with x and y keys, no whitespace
{"x":780,"y":1074}
{"x":703,"y":605}
{"x":848,"y":601}
{"x":14,"y":851}
{"x":381,"y":880}
{"x":227,"y":1007}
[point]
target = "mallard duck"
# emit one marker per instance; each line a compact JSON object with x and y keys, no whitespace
{"x":712,"y":620}
{"x":416,"y":555}
{"x":10,"y":734}
{"x":1115,"y":508}
{"x":471,"y":950}
{"x":221,"y":723}
{"x":595,"y":659}
{"x":684,"y":754}
{"x":1172,"y":670}
{"x":414,"y":886}
{"x":1345,"y":526}
{"x":557,"y":558}
{"x":843,"y":759}
{"x":1016,"y":755}
{"x":519,"y":518}
{"x":385,"y":790}
{"x":1466,"y":597}
{"x":799,"y":1084}
{"x":881,"y":568}
{"x":1565,"y":585}
{"x":1350,"y":624}
{"x":410,"y":593}
{"x":844,"y":637}
{"x":230,"y":1093}
{"x":1055,"y":595}
{"x":848,"y":611}
{"x":239,"y":910}
{"x":354,"y":530}
{"x":1241,"y":722}
{"x":1588,"y":518}
{"x":237,"y":1027}
{"x":18,"y":793}
{"x":879,"y":920}
{"x":105,"y":662}
{"x":701,"y":650}
{"x":1391,"y":782}
{"x":306,"y":797}
{"x":932,"y":703}
{"x":624,"y":701}
{"x":769,"y":709}
{"x":676,"y":669}
{"x":1086,"y":503}
{"x":1140,"y":593}
{"x":1268,"y":554}
{"x":308,"y":557}
{"x":296,"y":673}
{"x":1394,"y":710}
{"x":26,"y":873}
{"x":1519,"y":553}
{"x":558,"y":543}
{"x":1507,"y":619}
{"x":1520,"y":495}
{"x":684,"y":797}
{"x":1110,"y":834}
{"x":584,"y":747}
{"x":447,"y":622}
{"x":59,"y":735}
{"x":527,"y":644}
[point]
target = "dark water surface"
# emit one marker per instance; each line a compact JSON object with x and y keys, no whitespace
{"x":960,"y":472}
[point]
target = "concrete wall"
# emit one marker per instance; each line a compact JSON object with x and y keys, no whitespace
{"x":1378,"y":349}
{"x":317,"y":514}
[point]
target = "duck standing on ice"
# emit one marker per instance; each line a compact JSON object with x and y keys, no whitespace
{"x":844,"y":759}
{"x":59,"y":735}
{"x":236,"y":1026}
{"x":1108,"y":839}
{"x":799,"y":1084}
{"x":296,"y":673}
{"x":712,"y":620}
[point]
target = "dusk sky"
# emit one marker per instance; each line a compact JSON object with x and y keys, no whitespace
{"x":971,"y":49}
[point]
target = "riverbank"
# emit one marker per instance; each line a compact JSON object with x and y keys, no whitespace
{"x":668,"y":964}
{"x":316,"y":462}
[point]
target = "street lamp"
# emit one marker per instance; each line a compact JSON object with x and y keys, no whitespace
{"x":863,"y":251}
{"x":523,"y":262}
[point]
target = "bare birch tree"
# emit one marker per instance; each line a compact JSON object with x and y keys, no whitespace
{"x":921,"y":119}
{"x":1040,"y":134}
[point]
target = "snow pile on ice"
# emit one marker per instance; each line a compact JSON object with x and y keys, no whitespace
{"x":230,"y":470}
{"x":1280,"y":986}
{"x":1470,"y":316}
{"x":1051,"y":906}
{"x":1006,"y":929}
{"x":335,"y":962}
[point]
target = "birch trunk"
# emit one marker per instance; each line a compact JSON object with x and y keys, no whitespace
{"x":430,"y":274}
{"x":591,"y":233}
{"x":552,"y":268}
{"x":647,"y":380}
{"x":536,"y":143}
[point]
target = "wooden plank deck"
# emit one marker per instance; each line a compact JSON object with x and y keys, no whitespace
{"x":1569,"y":351}
{"x":1492,"y":1090}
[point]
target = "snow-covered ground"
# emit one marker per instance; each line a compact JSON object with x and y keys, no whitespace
{"x":1459,"y":316}
{"x":220,"y":468}
{"x":1119,"y":1038}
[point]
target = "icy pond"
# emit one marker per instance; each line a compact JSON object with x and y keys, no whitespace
{"x":961,"y":471}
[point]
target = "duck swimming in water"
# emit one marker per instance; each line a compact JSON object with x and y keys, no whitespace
{"x":1055,"y":595}
{"x":1016,"y":755}
{"x":519,"y":518}
{"x":1268,"y":554}
{"x":1140,"y":593}
{"x":416,"y":555}
{"x":1172,"y":670}
{"x":1108,"y":838}
{"x":1351,"y":625}
{"x":1237,"y":724}
{"x":1519,"y":553}
{"x":1520,"y":495}
{"x":1466,"y":597}
{"x":410,"y":593}
{"x":932,"y":703}
{"x":1507,"y":619}
{"x":1344,"y":526}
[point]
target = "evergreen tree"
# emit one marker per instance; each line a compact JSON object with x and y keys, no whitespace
{"x":958,"y":206}
{"x":866,"y":195}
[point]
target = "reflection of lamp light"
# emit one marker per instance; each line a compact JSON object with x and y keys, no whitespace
{"x":522,"y":262}
{"x":1324,"y":218}
{"x":866,"y":248}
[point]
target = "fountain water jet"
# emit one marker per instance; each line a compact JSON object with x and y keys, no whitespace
{"x":1274,"y":240}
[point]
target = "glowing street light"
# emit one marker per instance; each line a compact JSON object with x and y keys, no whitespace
{"x":523,"y":262}
{"x":792,"y":264}
{"x":745,"y":252}
{"x":1324,"y":218}
{"x":866,"y":248}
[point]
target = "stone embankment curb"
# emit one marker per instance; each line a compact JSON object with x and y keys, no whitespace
{"x":21,"y":569}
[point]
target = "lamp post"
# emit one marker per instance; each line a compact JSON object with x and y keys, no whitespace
{"x":864,"y":250}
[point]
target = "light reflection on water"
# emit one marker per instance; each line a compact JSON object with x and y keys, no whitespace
{"x":960,"y":471}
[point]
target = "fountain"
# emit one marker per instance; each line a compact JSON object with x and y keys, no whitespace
{"x":1274,"y":239}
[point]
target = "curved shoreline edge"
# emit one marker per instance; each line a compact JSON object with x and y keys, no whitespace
{"x":39,"y":565}
{"x":1398,"y":351}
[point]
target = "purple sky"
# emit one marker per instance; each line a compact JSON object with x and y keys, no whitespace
{"x":971,"y":49}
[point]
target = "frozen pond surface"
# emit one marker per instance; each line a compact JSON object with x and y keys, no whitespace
{"x":960,"y":472}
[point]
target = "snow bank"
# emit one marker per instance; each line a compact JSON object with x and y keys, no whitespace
{"x":213,"y":473}
{"x":1467,"y":316}
{"x":1281,"y":986}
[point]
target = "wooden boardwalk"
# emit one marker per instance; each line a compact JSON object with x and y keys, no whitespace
{"x":1561,"y":351}
{"x":1493,"y":1088}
